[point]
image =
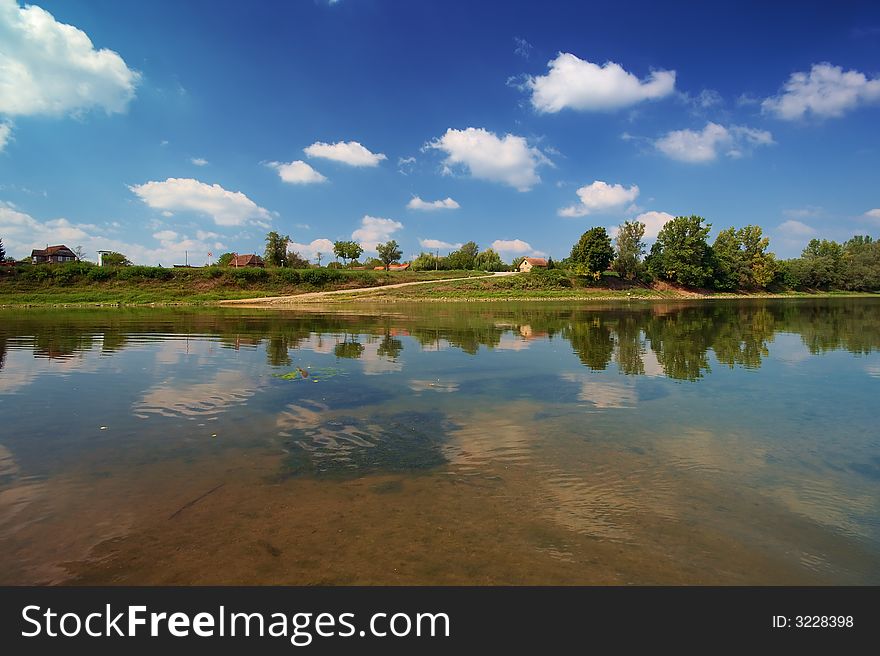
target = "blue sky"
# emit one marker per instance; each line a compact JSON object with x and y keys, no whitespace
{"x":159,"y":128}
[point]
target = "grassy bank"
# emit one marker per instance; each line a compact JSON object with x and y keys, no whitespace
{"x":83,"y":284}
{"x":554,"y":286}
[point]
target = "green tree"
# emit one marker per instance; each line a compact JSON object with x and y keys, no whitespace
{"x":759,"y":266}
{"x":428,"y":262}
{"x":489,"y":260}
{"x":114,"y":259}
{"x":630,"y":248}
{"x":729,"y":260}
{"x":465,"y":257}
{"x":347,"y":250}
{"x":225,"y":259}
{"x":822,"y":264}
{"x":742,"y":260}
{"x":276,"y":249}
{"x":861,"y":264}
{"x":681,"y":253}
{"x":297,"y":261}
{"x":389,"y":253}
{"x":516,"y":262}
{"x":593,"y":252}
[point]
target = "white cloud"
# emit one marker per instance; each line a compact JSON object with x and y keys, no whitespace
{"x":653,"y":221}
{"x":297,"y":172}
{"x":873,"y":214}
{"x":375,"y":230}
{"x":417,"y":203}
{"x":436,"y":244}
{"x":347,"y":152}
{"x":51,"y":68}
{"x":704,"y":146}
{"x":825,"y":92}
{"x":794,"y":228}
{"x":577,"y":84}
{"x":310,"y":250}
{"x":600,"y":196}
{"x":809,"y":212}
{"x":199,"y":161}
{"x":514,"y":247}
{"x":226,"y":208}
{"x":5,"y":134}
{"x":509,"y":160}
{"x":22,"y":232}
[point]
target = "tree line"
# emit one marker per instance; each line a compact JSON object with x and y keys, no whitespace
{"x":737,"y":260}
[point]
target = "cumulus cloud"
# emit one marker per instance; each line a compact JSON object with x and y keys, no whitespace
{"x":297,"y":172}
{"x":311,"y":250}
{"x":417,"y":203}
{"x":873,"y":214}
{"x":375,"y":230}
{"x":794,"y":228}
{"x":5,"y":135}
{"x":600,"y":196}
{"x":653,"y":221}
{"x":509,"y":160}
{"x":22,"y":233}
{"x":50,"y":68}
{"x":226,"y":208}
{"x":436,"y":244}
{"x":704,"y":145}
{"x":574,"y":83}
{"x":514,"y":247}
{"x":825,"y":92}
{"x":347,"y":152}
{"x":199,"y":161}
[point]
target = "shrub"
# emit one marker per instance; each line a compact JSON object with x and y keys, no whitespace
{"x":249,"y":275}
{"x":290,"y":276}
{"x":100,"y":274}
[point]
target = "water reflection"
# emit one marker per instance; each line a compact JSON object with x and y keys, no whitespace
{"x":677,"y":337}
{"x":502,"y":439}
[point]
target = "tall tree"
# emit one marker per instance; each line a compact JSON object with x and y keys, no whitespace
{"x":759,"y":265}
{"x":389,"y":252}
{"x":465,"y":257}
{"x":681,"y":253}
{"x":489,"y":260}
{"x":593,"y":252}
{"x":630,"y":249}
{"x":276,"y":249}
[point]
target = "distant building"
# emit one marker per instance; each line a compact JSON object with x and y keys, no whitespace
{"x":530,"y":263}
{"x":246,"y":261}
{"x":52,"y":255}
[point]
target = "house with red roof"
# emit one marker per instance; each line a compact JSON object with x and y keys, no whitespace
{"x":52,"y":255}
{"x":530,"y":263}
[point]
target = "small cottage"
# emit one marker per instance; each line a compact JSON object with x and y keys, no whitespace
{"x":530,"y":263}
{"x":52,"y":255}
{"x":250,"y":260}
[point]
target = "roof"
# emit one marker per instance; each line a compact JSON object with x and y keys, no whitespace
{"x":393,"y":267}
{"x":536,"y":261}
{"x":245,"y":260}
{"x":51,"y":250}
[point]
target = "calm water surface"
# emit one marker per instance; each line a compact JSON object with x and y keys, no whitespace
{"x":725,"y":442}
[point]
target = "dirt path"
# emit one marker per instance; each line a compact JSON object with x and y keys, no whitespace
{"x":313,"y":296}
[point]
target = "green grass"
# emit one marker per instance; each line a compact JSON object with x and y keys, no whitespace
{"x":88,"y":285}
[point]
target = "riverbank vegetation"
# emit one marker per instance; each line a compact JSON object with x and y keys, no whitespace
{"x":83,"y":282}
